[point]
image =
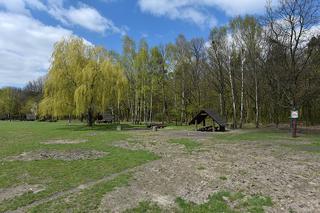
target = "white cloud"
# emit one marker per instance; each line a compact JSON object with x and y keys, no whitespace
{"x":176,"y":9}
{"x":21,"y":6}
{"x":84,"y":16}
{"x":17,"y":6}
{"x":26,"y":44}
{"x":35,"y":4}
{"x":314,"y":31}
{"x":196,"y":11}
{"x":25,"y":47}
{"x":237,"y":7}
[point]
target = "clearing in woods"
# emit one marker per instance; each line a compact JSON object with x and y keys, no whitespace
{"x":53,"y":167}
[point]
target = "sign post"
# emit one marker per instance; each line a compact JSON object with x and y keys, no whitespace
{"x":294,"y":117}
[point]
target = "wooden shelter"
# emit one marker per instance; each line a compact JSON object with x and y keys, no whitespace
{"x":106,"y":118}
{"x":201,"y":118}
{"x":31,"y":117}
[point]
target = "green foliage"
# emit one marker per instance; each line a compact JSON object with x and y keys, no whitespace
{"x":82,"y":79}
{"x":9,"y":101}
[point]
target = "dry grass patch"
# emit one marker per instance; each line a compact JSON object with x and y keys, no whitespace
{"x":9,"y":193}
{"x":67,"y":155}
{"x":64,"y":141}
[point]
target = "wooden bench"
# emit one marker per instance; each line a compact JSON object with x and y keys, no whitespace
{"x":105,"y":118}
{"x":206,"y":129}
{"x":158,"y":125}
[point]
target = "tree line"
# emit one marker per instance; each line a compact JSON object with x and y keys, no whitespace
{"x":252,"y":70}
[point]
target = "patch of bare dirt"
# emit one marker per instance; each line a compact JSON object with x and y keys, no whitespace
{"x":157,"y":142}
{"x":65,"y":141}
{"x":159,"y":148}
{"x":290,"y":178}
{"x":19,"y":190}
{"x":58,"y":155}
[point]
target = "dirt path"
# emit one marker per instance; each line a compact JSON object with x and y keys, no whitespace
{"x":290,"y":178}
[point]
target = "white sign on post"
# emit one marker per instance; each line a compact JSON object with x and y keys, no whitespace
{"x":294,"y":114}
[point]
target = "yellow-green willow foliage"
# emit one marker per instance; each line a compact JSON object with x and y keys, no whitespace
{"x":82,"y":80}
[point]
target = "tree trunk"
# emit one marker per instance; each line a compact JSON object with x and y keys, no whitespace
{"x":118,"y":109}
{"x":90,"y":117}
{"x":175,"y":107}
{"x":182,"y":107}
{"x":242,"y":94}
{"x":248,"y":112}
{"x":163,"y":104}
{"x":151,"y":104}
{"x":136,"y":105}
{"x":131,"y":107}
{"x":223,"y":98}
{"x":140,"y":111}
{"x":257,"y":101}
{"x":220,"y":103}
{"x":234,"y":108}
{"x":144,"y":107}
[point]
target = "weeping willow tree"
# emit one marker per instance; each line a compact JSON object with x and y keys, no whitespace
{"x":82,"y":80}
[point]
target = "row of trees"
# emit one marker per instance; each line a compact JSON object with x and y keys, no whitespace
{"x":251,"y":71}
{"x":15,"y":103}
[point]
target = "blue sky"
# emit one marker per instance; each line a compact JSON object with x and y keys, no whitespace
{"x":29,"y":28}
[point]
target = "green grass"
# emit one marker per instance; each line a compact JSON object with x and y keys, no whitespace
{"x":223,"y":178}
{"x":255,"y":203}
{"x":86,"y":201}
{"x":217,"y":203}
{"x":272,"y":135}
{"x":58,"y":175}
{"x":179,"y":127}
{"x":189,"y":144}
{"x":201,"y":168}
{"x":312,"y":148}
{"x":255,"y":135}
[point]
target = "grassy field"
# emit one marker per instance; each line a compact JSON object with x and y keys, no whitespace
{"x":79,"y":185}
{"x":59,"y":175}
{"x":274,"y":135}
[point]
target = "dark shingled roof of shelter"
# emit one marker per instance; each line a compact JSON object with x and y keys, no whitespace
{"x":208,"y":112}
